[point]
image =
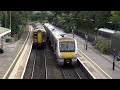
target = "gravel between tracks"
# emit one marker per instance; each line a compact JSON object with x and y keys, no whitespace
{"x":53,"y":69}
{"x":39,"y":70}
{"x":28,"y":72}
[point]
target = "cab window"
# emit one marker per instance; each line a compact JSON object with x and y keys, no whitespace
{"x":67,"y":46}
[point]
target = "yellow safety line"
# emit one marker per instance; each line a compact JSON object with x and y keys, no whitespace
{"x":96,"y":65}
{"x":15,"y":59}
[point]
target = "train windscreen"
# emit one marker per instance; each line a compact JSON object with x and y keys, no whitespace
{"x":67,"y":46}
{"x":35,"y":35}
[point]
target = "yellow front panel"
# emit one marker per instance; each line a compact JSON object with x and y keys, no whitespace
{"x":39,"y":37}
{"x":67,"y":54}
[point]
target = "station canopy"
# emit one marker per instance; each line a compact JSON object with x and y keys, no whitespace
{"x":4,"y":31}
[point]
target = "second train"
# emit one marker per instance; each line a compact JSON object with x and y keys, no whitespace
{"x":38,"y":34}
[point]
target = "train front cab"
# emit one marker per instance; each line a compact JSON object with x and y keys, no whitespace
{"x":39,"y":37}
{"x":67,"y":53}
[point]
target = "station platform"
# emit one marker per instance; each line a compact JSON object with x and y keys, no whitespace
{"x":102,"y":62}
{"x":11,"y":50}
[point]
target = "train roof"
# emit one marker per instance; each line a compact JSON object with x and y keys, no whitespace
{"x":106,"y":30}
{"x":57,"y":32}
{"x":38,"y":26}
{"x":116,"y":35}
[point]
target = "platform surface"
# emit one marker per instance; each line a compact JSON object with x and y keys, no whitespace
{"x":101,"y":61}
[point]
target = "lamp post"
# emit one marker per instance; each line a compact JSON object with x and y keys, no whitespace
{"x":10,"y":19}
{"x":5,"y":19}
{"x":0,"y":23}
{"x":73,"y":28}
{"x":86,"y":37}
{"x":73,"y":31}
{"x":114,"y":51}
{"x":10,"y":24}
{"x":114,"y":58}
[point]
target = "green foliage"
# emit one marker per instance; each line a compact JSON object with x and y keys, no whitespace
{"x":1,"y":15}
{"x":18,"y":18}
{"x":80,"y":19}
{"x":16,"y":21}
{"x":103,"y":45}
{"x":70,"y":19}
{"x":8,"y":40}
{"x":115,"y":19}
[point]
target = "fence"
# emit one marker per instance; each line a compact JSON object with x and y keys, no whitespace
{"x":91,"y":38}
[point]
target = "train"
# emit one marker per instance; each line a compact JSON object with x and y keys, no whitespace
{"x":38,"y":34}
{"x":105,"y":32}
{"x":112,"y":36}
{"x":65,"y":47}
{"x":115,"y":44}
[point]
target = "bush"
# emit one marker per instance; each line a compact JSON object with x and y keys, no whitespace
{"x":103,"y":45}
{"x":7,"y":40}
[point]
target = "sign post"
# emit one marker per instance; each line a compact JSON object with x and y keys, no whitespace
{"x":86,"y":37}
{"x":73,"y":33}
{"x":114,"y":54}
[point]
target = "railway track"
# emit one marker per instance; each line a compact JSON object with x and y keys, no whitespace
{"x":72,"y":72}
{"x":53,"y":70}
{"x":33,"y":67}
{"x":42,"y":65}
{"x":36,"y":67}
{"x":69,"y":73}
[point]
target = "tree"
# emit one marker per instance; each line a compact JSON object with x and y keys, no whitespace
{"x":78,"y":19}
{"x":115,"y":19}
{"x":17,"y":18}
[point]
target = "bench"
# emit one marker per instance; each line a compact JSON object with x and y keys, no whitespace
{"x":1,"y":50}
